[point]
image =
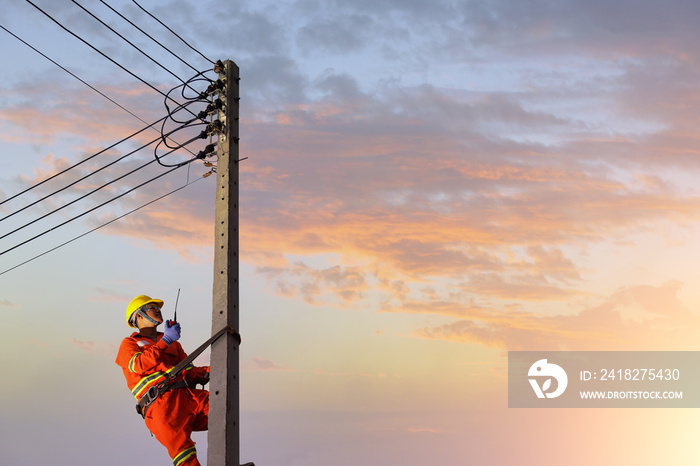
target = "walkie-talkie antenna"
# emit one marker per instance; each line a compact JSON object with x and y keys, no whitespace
{"x":176,"y":300}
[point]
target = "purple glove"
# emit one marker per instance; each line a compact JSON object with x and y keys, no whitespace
{"x":171,"y":332}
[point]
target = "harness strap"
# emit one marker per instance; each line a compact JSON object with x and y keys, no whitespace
{"x":154,"y":392}
{"x":175,"y":371}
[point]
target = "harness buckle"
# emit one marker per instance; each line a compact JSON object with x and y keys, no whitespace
{"x":155,"y":391}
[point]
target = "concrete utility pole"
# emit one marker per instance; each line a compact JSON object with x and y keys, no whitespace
{"x":224,"y":436}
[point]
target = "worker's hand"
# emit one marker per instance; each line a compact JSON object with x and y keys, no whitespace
{"x":171,"y":332}
{"x":203,"y":380}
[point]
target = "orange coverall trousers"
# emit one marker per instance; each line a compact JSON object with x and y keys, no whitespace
{"x":172,"y":418}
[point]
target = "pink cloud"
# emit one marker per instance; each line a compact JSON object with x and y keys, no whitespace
{"x":74,"y":111}
{"x":88,"y":346}
{"x":633,"y":318}
{"x":261,"y":364}
{"x":330,"y":373}
{"x":421,"y":430}
{"x":8,"y":304}
{"x":344,"y":283}
{"x":407,"y":186}
{"x":106,"y":295}
{"x":372,"y":375}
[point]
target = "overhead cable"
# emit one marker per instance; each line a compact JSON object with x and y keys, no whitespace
{"x":98,"y":50}
{"x":173,"y":32}
{"x":147,"y":34}
{"x":81,"y":162}
{"x":92,"y":209}
{"x":69,"y":72}
{"x":97,"y":189}
{"x":70,"y":185}
{"x":87,"y":84}
{"x":86,"y":176}
{"x":129,"y":42}
{"x":100,"y":226}
{"x":164,"y":136}
{"x":200,"y":155}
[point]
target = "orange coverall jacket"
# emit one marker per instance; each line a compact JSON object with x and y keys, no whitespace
{"x":176,"y":413}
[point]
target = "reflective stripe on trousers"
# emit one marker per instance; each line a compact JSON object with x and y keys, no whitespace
{"x":184,"y":456}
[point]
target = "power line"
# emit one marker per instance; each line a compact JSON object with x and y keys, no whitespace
{"x":99,"y":51}
{"x":163,"y":135}
{"x":201,"y":97}
{"x":81,"y":162}
{"x":94,"y":89}
{"x":173,"y":32}
{"x":75,"y":200}
{"x":91,"y":210}
{"x":69,"y":72}
{"x":80,"y":198}
{"x":100,"y":226}
{"x":73,"y":184}
{"x":129,"y":42}
{"x":147,"y":35}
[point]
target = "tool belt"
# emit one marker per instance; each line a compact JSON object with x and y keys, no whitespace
{"x":154,"y":392}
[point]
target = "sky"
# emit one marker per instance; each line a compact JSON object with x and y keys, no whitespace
{"x":428,"y":185}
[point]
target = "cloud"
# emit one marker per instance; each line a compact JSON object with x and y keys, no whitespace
{"x":184,"y":231}
{"x":180,"y":222}
{"x":344,"y":283}
{"x":377,"y":375}
{"x":73,"y":110}
{"x":577,"y":26}
{"x":274,"y":79}
{"x":494,"y":190}
{"x":341,"y":34}
{"x":107,"y":295}
{"x":414,"y":198}
{"x":88,"y":346}
{"x":458,"y":232}
{"x":262,"y":364}
{"x":393,"y":184}
{"x":329,"y":373}
{"x":8,"y":304}
{"x":255,"y":32}
{"x":421,"y":430}
{"x":632,"y":318}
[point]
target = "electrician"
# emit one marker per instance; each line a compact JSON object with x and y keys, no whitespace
{"x":171,"y":406}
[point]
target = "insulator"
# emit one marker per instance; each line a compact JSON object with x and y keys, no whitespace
{"x":207,"y":150}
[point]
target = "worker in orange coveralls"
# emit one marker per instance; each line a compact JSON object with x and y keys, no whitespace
{"x":173,"y":411}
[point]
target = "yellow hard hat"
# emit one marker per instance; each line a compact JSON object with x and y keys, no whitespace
{"x":136,"y":303}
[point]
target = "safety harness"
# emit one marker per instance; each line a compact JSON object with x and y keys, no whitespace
{"x":169,"y":384}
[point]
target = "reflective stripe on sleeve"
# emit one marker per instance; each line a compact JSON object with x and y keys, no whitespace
{"x":132,"y":362}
